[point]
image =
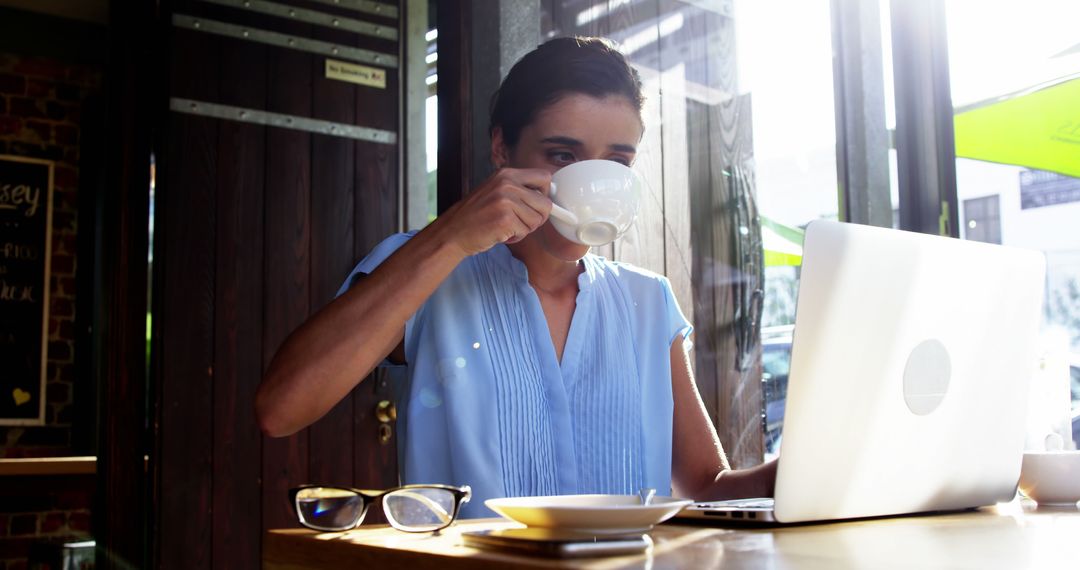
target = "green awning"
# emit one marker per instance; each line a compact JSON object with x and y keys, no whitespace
{"x":1038,"y":128}
{"x":782,"y":244}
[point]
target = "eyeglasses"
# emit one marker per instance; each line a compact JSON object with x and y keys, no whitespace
{"x":411,"y":508}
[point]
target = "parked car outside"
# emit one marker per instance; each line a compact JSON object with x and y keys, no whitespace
{"x":775,"y":365}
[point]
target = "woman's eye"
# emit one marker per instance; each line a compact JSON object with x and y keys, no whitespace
{"x":621,"y":160}
{"x":561,"y":157}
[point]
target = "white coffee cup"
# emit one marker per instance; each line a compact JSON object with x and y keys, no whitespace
{"x":595,"y":201}
{"x":1051,"y":477}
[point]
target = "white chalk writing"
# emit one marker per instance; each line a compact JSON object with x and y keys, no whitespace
{"x":15,"y":196}
{"x":16,"y":293}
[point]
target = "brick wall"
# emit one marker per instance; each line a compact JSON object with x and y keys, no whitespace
{"x":34,"y":509}
{"x":40,"y":108}
{"x":55,"y":507}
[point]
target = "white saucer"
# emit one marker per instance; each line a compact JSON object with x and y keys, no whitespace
{"x":599,"y":514}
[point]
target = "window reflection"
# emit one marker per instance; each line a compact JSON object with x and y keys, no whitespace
{"x":794,"y":132}
{"x":740,"y":154}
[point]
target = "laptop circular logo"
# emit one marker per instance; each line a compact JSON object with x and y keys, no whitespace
{"x":926,"y":376}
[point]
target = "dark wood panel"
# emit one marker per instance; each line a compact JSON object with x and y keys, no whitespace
{"x":237,"y":502}
{"x":286,"y":274}
{"x":333,"y":182}
{"x":682,"y":136}
{"x":261,"y":226}
{"x":284,"y":25}
{"x":711,"y":261}
{"x":375,"y":461}
{"x":707,"y":273}
{"x":378,"y":200}
{"x":85,"y":438}
{"x":41,"y":34}
{"x":643,"y":244}
{"x":735,"y":249}
{"x":378,"y":214}
{"x":738,"y":301}
{"x":363,"y":41}
{"x":686,"y":175}
{"x":454,"y":103}
{"x":187,"y":204}
{"x":133,"y":90}
{"x":349,"y":12}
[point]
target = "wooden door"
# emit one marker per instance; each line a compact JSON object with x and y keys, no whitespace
{"x":260,"y":214}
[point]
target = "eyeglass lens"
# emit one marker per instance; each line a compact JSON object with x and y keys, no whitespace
{"x":422,"y":509}
{"x":329,"y":509}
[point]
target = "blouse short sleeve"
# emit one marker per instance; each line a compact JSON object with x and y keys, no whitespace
{"x":677,"y":323}
{"x":374,"y":258}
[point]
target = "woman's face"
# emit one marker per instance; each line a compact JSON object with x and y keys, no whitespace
{"x":576,"y":127}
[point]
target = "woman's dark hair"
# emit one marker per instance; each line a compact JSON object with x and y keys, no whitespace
{"x":592,"y":66}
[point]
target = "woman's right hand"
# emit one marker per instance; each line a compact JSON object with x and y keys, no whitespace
{"x":324,"y":359}
{"x":505,"y":208}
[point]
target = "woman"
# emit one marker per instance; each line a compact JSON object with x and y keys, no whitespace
{"x":532,"y":367}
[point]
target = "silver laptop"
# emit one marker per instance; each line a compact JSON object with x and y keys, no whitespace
{"x":908,"y":384}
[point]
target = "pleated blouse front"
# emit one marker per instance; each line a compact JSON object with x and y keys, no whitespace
{"x":484,"y":401}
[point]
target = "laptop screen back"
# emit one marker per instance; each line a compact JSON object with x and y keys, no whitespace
{"x":909,"y":371}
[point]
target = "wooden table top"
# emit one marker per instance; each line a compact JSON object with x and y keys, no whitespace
{"x":1012,"y":535}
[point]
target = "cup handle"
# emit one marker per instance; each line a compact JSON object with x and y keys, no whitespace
{"x":559,"y":213}
{"x":563,"y":215}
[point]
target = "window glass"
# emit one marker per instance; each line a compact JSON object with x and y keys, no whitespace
{"x":1015,"y":79}
{"x":982,"y":219}
{"x":794,"y":140}
{"x":431,"y":119}
{"x":740,"y":95}
{"x":732,"y":104}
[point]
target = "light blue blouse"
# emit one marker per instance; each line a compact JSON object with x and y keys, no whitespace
{"x":485,"y":402}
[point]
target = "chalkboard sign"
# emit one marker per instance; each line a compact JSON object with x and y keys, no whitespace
{"x":25,"y":250}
